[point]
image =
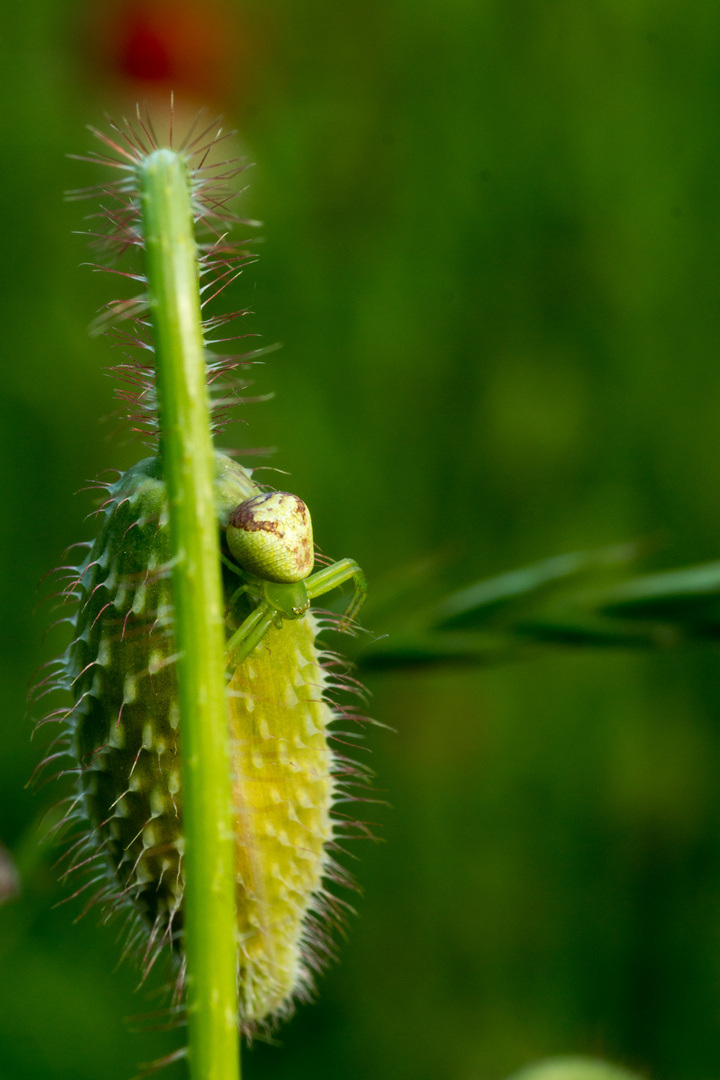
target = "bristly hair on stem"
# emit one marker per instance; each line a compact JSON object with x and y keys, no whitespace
{"x":220,"y":262}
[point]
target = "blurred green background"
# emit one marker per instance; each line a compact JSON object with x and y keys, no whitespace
{"x":492,"y":257}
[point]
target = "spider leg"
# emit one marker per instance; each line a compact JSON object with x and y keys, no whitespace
{"x":236,"y":570}
{"x":230,"y":565}
{"x":249,"y":635}
{"x":337,"y":574}
{"x":238,"y":592}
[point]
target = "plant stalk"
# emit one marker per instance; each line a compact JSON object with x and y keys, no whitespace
{"x":187,"y":453}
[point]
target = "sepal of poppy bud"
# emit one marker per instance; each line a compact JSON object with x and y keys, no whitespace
{"x":271,"y":537}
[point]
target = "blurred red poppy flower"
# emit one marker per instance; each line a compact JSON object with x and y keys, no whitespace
{"x":198,"y":48}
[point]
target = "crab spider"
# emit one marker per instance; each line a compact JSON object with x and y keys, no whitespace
{"x":270,"y":539}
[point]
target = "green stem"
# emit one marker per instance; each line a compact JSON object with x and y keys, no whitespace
{"x":186,"y":448}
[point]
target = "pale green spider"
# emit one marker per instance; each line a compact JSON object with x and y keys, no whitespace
{"x":270,"y":539}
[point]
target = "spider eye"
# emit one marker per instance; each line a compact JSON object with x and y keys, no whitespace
{"x":271,"y":536}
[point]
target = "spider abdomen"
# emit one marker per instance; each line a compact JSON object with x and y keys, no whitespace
{"x":271,"y":535}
